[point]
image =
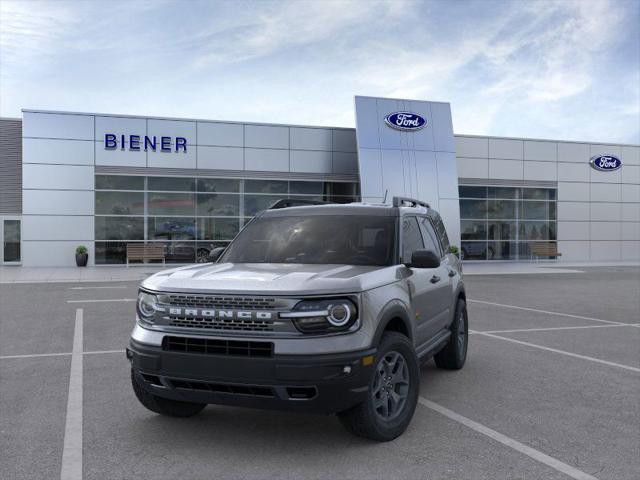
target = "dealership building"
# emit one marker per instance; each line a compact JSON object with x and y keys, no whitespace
{"x":111,"y":182}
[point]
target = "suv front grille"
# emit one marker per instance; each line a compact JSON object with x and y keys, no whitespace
{"x":222,"y":302}
{"x":222,"y":324}
{"x":209,"y":346}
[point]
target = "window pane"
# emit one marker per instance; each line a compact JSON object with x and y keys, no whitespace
{"x":119,"y":228}
{"x":501,"y":230}
{"x":306,"y":188}
{"x":503,"y":209}
{"x":110,"y":253}
{"x":474,"y":250}
{"x":429,"y":236}
{"x":472,"y":192}
{"x":172,"y":204}
{"x":411,"y":238}
{"x":212,"y":204}
{"x":120,"y":203}
{"x":212,"y":185}
{"x":473,"y":230}
{"x":218,"y":228}
{"x":178,"y":251}
{"x":172,"y":183}
{"x":536,"y":231}
{"x":204,"y":248}
{"x":501,"y":251}
{"x":473,"y":209}
{"x":119,"y":182}
{"x":256,"y":203}
{"x":441,"y":231}
{"x":167,"y":228}
{"x":525,"y":250}
{"x":265,"y":186}
{"x":501,"y":192}
{"x":538,"y":194}
{"x":538,"y":210}
{"x":339,"y":188}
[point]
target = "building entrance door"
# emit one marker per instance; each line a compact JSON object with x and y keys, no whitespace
{"x":10,"y":233}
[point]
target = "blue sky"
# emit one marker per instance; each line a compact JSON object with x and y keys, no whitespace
{"x":544,"y":69}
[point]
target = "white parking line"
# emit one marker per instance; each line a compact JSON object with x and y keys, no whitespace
{"x":509,"y":442}
{"x":562,"y":352}
{"x":96,"y":288}
{"x":560,"y":314}
{"x":72,"y":449}
{"x":549,"y":329}
{"x":63,"y":354}
{"x":103,"y":300}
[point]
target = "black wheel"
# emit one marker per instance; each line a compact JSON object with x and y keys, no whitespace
{"x":202,"y":256}
{"x":392,"y":395}
{"x":164,"y":406}
{"x":454,"y":354}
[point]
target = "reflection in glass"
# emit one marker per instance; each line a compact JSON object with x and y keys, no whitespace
{"x":501,"y":192}
{"x":538,"y":210}
{"x":256,"y":203}
{"x":178,"y":251}
{"x":473,"y":230}
{"x":503,"y":209}
{"x":218,"y":228}
{"x":538,"y":194}
{"x":119,"y":182}
{"x":472,"y":192}
{"x":306,"y":188}
{"x":474,"y":250}
{"x":120,"y":203}
{"x":501,"y":251}
{"x":265,"y":186}
{"x":502,"y":230}
{"x":212,"y":185}
{"x":111,"y":253}
{"x":119,"y":228}
{"x":171,"y":204}
{"x":167,"y":228}
{"x":473,"y":209}
{"x":213,"y":204}
{"x":178,"y":184}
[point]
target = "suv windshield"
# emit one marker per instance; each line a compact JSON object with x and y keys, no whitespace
{"x":348,"y":239}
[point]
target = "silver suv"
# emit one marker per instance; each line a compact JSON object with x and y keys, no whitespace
{"x":316,"y":308}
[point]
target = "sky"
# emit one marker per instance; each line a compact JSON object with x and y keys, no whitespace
{"x":540,"y":69}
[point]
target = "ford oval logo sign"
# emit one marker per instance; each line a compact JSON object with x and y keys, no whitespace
{"x":405,"y":121}
{"x":605,"y":163}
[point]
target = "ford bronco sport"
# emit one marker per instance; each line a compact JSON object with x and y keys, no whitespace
{"x":314,"y":308}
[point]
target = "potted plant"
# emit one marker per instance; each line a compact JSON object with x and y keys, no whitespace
{"x":82,"y":256}
{"x":453,"y":249}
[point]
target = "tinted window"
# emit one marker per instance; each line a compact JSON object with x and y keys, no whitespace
{"x":172,"y":183}
{"x":429,"y":235}
{"x":411,"y":238}
{"x":441,"y":232}
{"x":119,"y":182}
{"x":349,"y":240}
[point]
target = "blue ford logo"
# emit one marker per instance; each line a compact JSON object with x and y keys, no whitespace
{"x":605,"y":163}
{"x":405,"y":121}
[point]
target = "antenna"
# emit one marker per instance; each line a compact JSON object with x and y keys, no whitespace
{"x":384,"y":200}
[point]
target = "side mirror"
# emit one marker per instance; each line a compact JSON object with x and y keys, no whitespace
{"x":424,"y":259}
{"x":214,"y":255}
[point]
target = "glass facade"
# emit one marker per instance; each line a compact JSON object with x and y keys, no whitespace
{"x":503,"y":223}
{"x":189,"y":216}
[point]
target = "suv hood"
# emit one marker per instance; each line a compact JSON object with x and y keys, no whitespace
{"x":271,"y":279}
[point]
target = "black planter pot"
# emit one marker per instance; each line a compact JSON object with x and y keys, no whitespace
{"x":82,"y":259}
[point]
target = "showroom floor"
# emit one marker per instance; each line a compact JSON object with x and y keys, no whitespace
{"x":550,"y":390}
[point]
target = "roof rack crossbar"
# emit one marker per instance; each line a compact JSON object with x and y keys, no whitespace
{"x":294,"y":202}
{"x":399,"y":201}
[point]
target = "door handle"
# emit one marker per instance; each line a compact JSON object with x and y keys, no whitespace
{"x":435,"y":279}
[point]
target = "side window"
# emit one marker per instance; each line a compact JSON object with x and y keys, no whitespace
{"x":411,"y":238}
{"x":442,"y":233}
{"x":430,"y":239}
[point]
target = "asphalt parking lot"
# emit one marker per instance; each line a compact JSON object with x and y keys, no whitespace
{"x":550,"y":390}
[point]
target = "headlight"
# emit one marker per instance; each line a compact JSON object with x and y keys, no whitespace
{"x":323,"y":316}
{"x":146,"y":306}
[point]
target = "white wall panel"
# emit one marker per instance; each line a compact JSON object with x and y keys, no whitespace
{"x":573,"y":152}
{"x":605,"y":192}
{"x":52,"y":125}
{"x":264,"y":159}
{"x":57,"y":202}
{"x":450,"y":211}
{"x":426,"y":179}
{"x":630,"y":155}
{"x":506,"y":149}
{"x":630,"y":230}
{"x":605,"y":231}
{"x":630,"y":250}
{"x":367,"y":123}
{"x":546,"y":151}
{"x":573,"y":211}
{"x":573,"y":192}
{"x":64,"y":177}
{"x":53,"y":254}
{"x":310,"y":138}
{"x":261,"y":136}
{"x":630,"y":212}
{"x":371,"y":169}
{"x":574,"y":172}
{"x":344,"y":141}
{"x":506,"y":169}
{"x":120,"y":157}
{"x":425,"y":139}
{"x":473,"y":167}
{"x":311,"y":161}
{"x":447,"y":175}
{"x":540,"y":171}
{"x":442,"y":127}
{"x":596,"y":149}
{"x":70,"y":152}
{"x":472,"y":147}
{"x":220,"y":158}
{"x":173,"y":128}
{"x":606,"y":212}
{"x":574,"y":250}
{"x":344,"y":162}
{"x":120,"y":126}
{"x":630,"y":174}
{"x":220,"y":134}
{"x":630,"y":193}
{"x":54,"y":227}
{"x":605,"y":251}
{"x":173,"y":159}
{"x":393,"y":172}
{"x":605,"y":177}
{"x":573,"y":230}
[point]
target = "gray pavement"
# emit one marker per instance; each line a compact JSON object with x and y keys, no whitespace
{"x":571,"y":396}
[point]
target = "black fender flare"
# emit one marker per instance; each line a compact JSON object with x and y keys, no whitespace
{"x":393,"y":309}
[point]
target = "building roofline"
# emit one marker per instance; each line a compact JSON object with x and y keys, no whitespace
{"x":529,"y":139}
{"x":403,"y":99}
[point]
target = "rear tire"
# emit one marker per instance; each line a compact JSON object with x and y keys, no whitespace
{"x":164,"y":406}
{"x":454,"y":354}
{"x":392,"y":395}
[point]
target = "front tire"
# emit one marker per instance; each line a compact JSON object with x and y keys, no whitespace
{"x":454,"y":354}
{"x":392,"y":395}
{"x":164,"y":406}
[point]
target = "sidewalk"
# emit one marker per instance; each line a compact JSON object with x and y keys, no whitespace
{"x":529,"y":268}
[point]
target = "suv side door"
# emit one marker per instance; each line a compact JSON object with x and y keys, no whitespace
{"x":444,"y":285}
{"x":422,"y":287}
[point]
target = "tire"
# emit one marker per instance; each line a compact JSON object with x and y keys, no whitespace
{"x":202,"y":256}
{"x":367,"y":419}
{"x":164,"y":406}
{"x":454,"y":354}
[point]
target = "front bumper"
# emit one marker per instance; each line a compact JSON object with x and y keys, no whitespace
{"x":326,"y":383}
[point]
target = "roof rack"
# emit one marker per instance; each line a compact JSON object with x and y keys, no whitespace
{"x":399,"y":201}
{"x":293,"y":202}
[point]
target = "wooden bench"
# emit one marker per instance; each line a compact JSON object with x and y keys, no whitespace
{"x":545,"y":249}
{"x":140,"y":251}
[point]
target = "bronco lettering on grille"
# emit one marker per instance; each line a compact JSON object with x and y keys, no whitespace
{"x":211,"y":313}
